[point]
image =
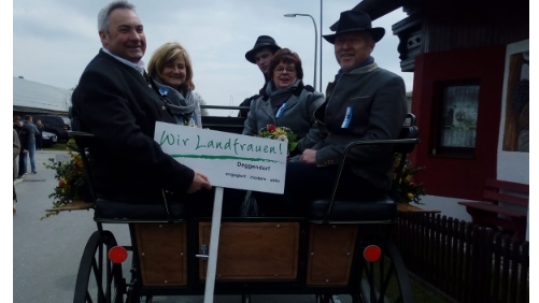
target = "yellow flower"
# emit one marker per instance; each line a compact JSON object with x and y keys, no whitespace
{"x":278,"y":132}
{"x":410,"y":195}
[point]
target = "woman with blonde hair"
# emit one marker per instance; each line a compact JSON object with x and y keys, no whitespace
{"x":171,"y":69}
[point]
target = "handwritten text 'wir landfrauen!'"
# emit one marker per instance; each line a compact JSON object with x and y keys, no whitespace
{"x":173,"y":139}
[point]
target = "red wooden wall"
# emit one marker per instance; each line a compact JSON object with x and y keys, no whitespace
{"x":459,"y":177}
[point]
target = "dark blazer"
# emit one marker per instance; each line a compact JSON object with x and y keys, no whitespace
{"x":377,"y":101}
{"x":23,"y":132}
{"x":120,"y":106}
{"x":247,"y":102}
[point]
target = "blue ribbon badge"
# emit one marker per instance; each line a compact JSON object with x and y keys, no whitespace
{"x":280,"y":111}
{"x":347,"y":117}
{"x":163,"y":91}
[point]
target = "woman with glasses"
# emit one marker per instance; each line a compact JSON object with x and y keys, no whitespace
{"x":171,"y":69}
{"x":286,"y":102}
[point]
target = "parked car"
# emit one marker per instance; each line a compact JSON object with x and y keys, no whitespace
{"x":56,"y":125}
{"x":67,"y":121}
{"x":48,"y":138}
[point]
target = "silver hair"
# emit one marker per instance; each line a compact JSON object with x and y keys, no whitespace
{"x":104,"y":13}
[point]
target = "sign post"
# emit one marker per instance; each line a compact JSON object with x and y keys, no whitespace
{"x":214,"y":245}
{"x":228,"y":160}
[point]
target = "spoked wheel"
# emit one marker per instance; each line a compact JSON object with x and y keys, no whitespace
{"x":99,"y":280}
{"x":320,"y":298}
{"x":327,"y":298}
{"x":385,"y":280}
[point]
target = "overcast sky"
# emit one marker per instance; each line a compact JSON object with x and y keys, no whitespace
{"x":53,"y":40}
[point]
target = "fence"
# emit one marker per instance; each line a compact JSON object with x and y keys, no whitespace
{"x":466,"y":262}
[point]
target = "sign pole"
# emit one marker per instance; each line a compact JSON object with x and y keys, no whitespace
{"x":214,"y":245}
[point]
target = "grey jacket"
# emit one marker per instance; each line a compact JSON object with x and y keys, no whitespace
{"x":298,"y":116}
{"x":377,"y":101}
{"x":32,"y":132}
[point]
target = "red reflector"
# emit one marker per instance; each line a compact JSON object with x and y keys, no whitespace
{"x":372,"y":253}
{"x":117,"y":254}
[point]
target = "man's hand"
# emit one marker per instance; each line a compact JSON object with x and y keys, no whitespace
{"x":308,"y":156}
{"x":199,"y":181}
{"x":24,"y":151}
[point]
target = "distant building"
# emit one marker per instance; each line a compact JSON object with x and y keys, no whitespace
{"x":409,"y":101}
{"x":31,"y":97}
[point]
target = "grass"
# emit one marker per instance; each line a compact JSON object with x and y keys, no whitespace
{"x":421,"y":292}
{"x":424,"y":294}
{"x":57,"y":146}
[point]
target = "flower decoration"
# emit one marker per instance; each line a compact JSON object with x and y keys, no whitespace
{"x":70,"y":175}
{"x":408,"y":190}
{"x":279,"y":133}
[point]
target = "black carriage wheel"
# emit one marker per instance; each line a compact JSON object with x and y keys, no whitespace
{"x":385,"y":280}
{"x":99,"y":280}
{"x":246,"y":298}
{"x":323,"y":298}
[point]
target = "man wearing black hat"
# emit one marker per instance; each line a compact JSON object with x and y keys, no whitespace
{"x":260,"y":55}
{"x":364,"y":103}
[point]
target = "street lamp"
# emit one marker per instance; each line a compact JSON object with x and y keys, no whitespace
{"x":321,"y":7}
{"x":315,"y":41}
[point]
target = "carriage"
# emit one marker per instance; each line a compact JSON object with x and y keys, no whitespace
{"x":339,"y":247}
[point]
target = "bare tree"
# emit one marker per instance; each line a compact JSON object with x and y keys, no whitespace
{"x":68,"y":96}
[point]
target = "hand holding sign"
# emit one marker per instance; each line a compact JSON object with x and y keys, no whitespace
{"x":225,"y":159}
{"x":199,"y":181}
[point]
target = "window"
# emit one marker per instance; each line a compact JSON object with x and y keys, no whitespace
{"x":457,"y":120}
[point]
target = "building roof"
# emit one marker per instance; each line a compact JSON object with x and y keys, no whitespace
{"x":30,"y":96}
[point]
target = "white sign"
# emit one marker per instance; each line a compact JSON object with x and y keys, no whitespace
{"x":228,"y":160}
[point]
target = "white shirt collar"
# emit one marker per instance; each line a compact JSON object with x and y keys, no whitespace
{"x":139,"y":66}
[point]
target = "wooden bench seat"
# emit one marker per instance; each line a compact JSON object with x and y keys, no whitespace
{"x":496,"y":194}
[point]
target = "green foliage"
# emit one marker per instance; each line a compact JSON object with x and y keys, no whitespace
{"x":281,"y":134}
{"x":70,"y":176}
{"x":408,"y":190}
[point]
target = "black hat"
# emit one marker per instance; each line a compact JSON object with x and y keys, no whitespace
{"x":354,"y":21}
{"x":261,"y":42}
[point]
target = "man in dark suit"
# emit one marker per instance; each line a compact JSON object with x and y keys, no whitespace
{"x":119,"y":104}
{"x":364,"y":103}
{"x":261,"y":53}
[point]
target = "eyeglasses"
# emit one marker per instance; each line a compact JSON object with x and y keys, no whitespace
{"x":289,"y":70}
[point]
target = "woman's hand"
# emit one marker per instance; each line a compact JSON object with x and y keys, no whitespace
{"x":199,"y":181}
{"x":308,"y":156}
